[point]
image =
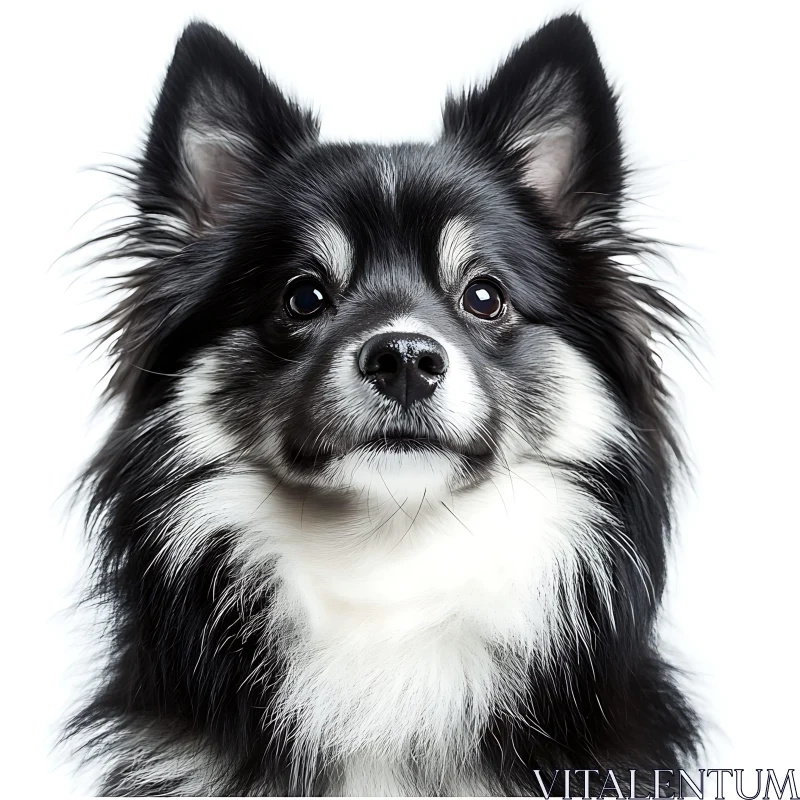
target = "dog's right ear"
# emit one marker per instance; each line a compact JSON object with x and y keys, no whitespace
{"x":218,"y":122}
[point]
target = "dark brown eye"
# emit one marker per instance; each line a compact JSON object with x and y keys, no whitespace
{"x":484,"y":299}
{"x":305,"y":298}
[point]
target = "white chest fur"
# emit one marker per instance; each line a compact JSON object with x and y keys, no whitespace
{"x":407,"y":622}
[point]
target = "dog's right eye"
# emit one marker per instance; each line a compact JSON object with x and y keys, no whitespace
{"x":305,"y":298}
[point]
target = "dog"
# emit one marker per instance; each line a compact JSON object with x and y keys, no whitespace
{"x":387,"y":505}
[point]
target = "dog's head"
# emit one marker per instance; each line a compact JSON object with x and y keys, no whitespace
{"x":409,"y":317}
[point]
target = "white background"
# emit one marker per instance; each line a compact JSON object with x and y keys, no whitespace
{"x":709,"y":95}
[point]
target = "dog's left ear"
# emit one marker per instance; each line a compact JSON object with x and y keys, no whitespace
{"x":547,"y":119}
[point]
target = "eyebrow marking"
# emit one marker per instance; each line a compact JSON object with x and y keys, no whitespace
{"x":330,"y":245}
{"x":456,"y":248}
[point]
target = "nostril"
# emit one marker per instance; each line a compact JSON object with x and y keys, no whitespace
{"x":380,"y":361}
{"x":432,"y":364}
{"x":387,"y":363}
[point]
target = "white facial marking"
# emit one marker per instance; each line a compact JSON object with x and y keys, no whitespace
{"x":456,"y":248}
{"x":331,"y":246}
{"x":588,"y":418}
{"x":205,"y":439}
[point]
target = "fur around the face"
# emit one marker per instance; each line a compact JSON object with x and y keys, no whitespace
{"x":313,"y":588}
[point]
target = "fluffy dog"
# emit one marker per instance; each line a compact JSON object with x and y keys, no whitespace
{"x":387,"y":504}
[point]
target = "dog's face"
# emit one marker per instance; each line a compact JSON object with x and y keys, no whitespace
{"x":400,"y":329}
{"x":402,"y":319}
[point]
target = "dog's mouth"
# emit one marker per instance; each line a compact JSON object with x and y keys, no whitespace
{"x":403,"y":443}
{"x":393,"y":442}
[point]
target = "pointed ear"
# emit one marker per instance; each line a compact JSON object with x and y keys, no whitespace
{"x":548,"y":118}
{"x":218,"y":122}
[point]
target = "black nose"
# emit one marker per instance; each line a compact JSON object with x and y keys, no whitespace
{"x":404,"y":366}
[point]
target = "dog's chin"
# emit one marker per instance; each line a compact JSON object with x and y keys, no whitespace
{"x":398,"y":470}
{"x":397,"y":467}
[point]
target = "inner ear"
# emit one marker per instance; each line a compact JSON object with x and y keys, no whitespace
{"x":548,"y":161}
{"x":216,"y":164}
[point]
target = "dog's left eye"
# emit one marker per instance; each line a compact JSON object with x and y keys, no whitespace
{"x":305,"y":298}
{"x":484,"y":299}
